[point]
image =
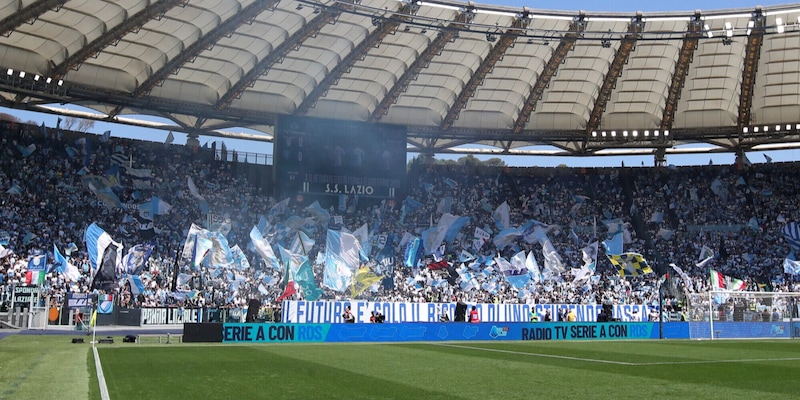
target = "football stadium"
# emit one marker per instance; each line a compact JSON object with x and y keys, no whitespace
{"x":366,"y":238}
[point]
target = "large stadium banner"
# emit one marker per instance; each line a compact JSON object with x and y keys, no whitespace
{"x":429,"y":332}
{"x":338,"y":158}
{"x":326,"y":312}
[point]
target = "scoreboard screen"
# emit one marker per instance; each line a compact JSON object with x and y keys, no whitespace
{"x":332,"y":157}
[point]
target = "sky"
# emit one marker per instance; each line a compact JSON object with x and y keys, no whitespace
{"x":565,"y":5}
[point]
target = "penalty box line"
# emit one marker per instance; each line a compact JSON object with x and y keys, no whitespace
{"x":632,"y":364}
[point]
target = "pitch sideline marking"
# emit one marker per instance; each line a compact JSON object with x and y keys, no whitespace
{"x":100,"y":378}
{"x":632,"y":364}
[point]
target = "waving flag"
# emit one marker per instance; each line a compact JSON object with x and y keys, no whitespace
{"x":320,"y":214}
{"x":515,"y":272}
{"x":97,"y":241}
{"x":264,"y":249}
{"x":479,"y":238}
{"x":502,"y":216}
{"x":533,"y":267}
{"x":363,"y":279}
{"x":553,"y":263}
{"x":687,"y":281}
{"x":589,"y":255}
{"x":62,"y":265}
{"x":136,"y":259}
{"x":341,"y":260}
{"x":790,"y":265}
{"x":104,"y":255}
{"x":630,"y":264}
{"x":614,"y":245}
{"x":706,"y":254}
{"x":36,"y":270}
{"x":724,"y":282}
{"x":412,"y":253}
{"x":792,"y":234}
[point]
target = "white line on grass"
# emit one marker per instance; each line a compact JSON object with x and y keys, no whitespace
{"x":100,"y":378}
{"x":744,"y":360}
{"x":633,"y":364}
{"x":539,"y":355}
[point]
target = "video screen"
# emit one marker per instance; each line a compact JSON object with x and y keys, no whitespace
{"x":332,"y":157}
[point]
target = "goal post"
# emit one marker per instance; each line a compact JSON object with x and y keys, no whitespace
{"x":742,"y":315}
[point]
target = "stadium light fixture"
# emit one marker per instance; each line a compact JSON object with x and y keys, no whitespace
{"x":48,"y":80}
{"x":36,"y":78}
{"x":646,"y":133}
{"x":21,"y":74}
{"x":655,"y":133}
{"x":666,"y":133}
{"x":779,"y":23}
{"x":797,"y":127}
{"x":60,"y":82}
{"x":594,"y":133}
{"x":604,"y":133}
{"x":788,"y":127}
{"x":708,"y":31}
{"x":744,"y":129}
{"x":755,"y":129}
{"x":10,"y":71}
{"x":777,"y":128}
{"x":728,"y":29}
{"x":750,"y":25}
{"x":625,"y":133}
{"x":766,"y":128}
{"x":635,"y":133}
{"x":613,"y":133}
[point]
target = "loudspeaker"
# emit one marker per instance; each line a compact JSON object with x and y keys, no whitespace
{"x":461,"y":312}
{"x":77,"y":340}
{"x":252,"y":310}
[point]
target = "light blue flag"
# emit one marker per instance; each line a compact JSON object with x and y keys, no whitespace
{"x":137,"y":286}
{"x":62,"y":265}
{"x":613,"y":246}
{"x":791,"y":232}
{"x":506,"y":236}
{"x":341,"y":260}
{"x":319,"y":213}
{"x":26,"y":151}
{"x":412,"y":253}
{"x":301,"y":244}
{"x":264,"y":249}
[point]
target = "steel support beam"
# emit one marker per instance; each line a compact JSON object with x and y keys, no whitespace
{"x":112,"y":36}
{"x":626,"y":45}
{"x":293,"y":42}
{"x":495,"y":55}
{"x":752,"y":54}
{"x":243,"y":16}
{"x":548,"y":72}
{"x":28,"y":14}
{"x":435,"y":48}
{"x":685,"y":57}
{"x":373,"y":39}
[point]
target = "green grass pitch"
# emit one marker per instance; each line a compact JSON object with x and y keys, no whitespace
{"x":50,"y":367}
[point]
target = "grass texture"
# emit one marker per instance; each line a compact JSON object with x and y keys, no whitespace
{"x":42,"y":367}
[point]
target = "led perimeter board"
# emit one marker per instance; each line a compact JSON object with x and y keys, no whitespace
{"x":332,"y":157}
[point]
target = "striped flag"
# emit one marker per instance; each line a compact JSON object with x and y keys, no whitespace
{"x":792,"y":234}
{"x":724,"y":282}
{"x":36,"y":270}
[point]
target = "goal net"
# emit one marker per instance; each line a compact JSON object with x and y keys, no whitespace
{"x":740,"y":315}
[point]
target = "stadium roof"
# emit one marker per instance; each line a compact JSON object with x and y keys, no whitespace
{"x":457,"y":74}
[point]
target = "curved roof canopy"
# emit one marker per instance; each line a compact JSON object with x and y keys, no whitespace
{"x":455,"y":73}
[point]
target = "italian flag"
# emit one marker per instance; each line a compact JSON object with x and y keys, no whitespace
{"x":722,"y":282}
{"x":34,"y":277}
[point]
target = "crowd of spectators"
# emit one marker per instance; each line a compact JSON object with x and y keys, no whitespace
{"x":669,"y":215}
